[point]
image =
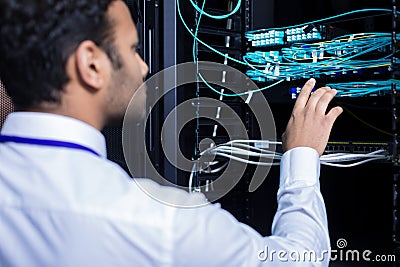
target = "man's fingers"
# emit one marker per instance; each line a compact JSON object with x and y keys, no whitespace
{"x":304,"y":94}
{"x":324,"y":101}
{"x":333,"y":114}
{"x":316,"y":96}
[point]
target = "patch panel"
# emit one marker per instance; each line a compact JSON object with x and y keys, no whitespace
{"x":282,"y":37}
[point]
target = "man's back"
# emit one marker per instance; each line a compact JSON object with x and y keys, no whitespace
{"x":69,"y":207}
{"x":62,"y":203}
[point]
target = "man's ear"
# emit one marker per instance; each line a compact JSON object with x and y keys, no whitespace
{"x":91,"y":63}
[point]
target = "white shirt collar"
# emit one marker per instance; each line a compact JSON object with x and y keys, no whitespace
{"x":54,"y":127}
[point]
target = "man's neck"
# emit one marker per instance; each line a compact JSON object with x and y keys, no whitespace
{"x":84,"y":114}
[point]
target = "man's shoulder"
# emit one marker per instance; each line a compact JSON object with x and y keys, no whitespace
{"x":170,"y":195}
{"x":149,"y":191}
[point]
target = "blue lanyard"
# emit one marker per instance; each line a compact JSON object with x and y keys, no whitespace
{"x":45,"y":142}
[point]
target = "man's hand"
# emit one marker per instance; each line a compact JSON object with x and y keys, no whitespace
{"x":308,"y":125}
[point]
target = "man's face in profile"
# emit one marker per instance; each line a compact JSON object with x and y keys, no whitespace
{"x":125,"y":80}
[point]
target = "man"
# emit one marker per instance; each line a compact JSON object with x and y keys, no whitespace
{"x":71,"y":68}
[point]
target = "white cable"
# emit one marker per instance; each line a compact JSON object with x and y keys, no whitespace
{"x":217,"y":169}
{"x":325,"y":158}
{"x":236,"y":143}
{"x":233,"y":148}
{"x":340,"y":154}
{"x":342,"y":159}
{"x":349,"y":165}
{"x":248,"y":153}
{"x":191,"y":177}
{"x":247,"y":161}
{"x":350,"y":157}
{"x":255,"y":141}
{"x":253,"y":148}
{"x":236,"y":148}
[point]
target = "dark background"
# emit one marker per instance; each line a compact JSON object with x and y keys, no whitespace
{"x":359,"y":200}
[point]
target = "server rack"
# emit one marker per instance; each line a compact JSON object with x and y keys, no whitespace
{"x":166,"y":42}
{"x":363,"y":209}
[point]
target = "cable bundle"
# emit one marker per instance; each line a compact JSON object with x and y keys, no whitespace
{"x":339,"y":56}
{"x":356,"y":89}
{"x":241,"y":150}
{"x":335,"y":57}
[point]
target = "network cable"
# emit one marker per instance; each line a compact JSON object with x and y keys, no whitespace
{"x":242,"y":62}
{"x":237,"y":148}
{"x":325,"y":19}
{"x":200,"y":41}
{"x":357,"y":89}
{"x":242,"y":150}
{"x":295,"y":67}
{"x":338,"y":56}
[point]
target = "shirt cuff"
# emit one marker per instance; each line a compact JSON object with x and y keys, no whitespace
{"x":300,"y":164}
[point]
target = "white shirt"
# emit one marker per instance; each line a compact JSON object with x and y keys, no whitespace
{"x":68,"y":207}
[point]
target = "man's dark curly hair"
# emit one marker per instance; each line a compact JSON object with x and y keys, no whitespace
{"x":38,"y":36}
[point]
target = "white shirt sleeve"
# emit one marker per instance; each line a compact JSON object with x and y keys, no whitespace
{"x":210,"y":236}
